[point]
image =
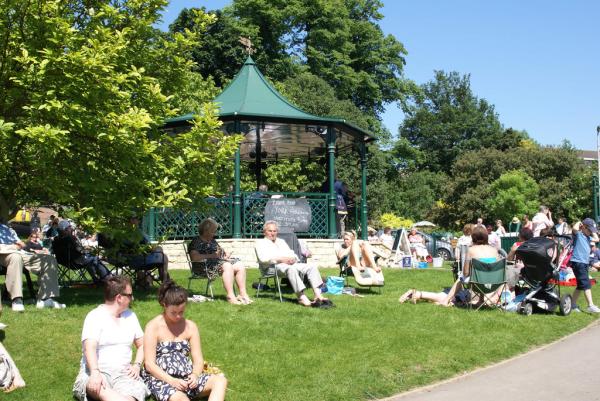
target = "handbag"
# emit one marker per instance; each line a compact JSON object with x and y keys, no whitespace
{"x":335,"y":285}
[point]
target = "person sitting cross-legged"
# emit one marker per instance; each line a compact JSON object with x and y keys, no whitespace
{"x":107,"y":372}
{"x":42,"y":264}
{"x":275,"y":251}
{"x":173,"y":361}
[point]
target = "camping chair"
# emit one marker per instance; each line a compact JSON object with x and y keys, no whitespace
{"x":142,"y":269}
{"x":359,"y":278}
{"x":268,"y":271}
{"x":198,"y":271}
{"x":460,"y":257}
{"x":290,"y":237}
{"x":487,"y":279}
{"x":67,"y":269}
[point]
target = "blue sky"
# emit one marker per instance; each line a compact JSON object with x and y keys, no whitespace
{"x":537,"y":62}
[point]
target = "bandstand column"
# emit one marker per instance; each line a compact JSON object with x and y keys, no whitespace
{"x":331,"y":174}
{"x":237,"y":197}
{"x":363,"y":189}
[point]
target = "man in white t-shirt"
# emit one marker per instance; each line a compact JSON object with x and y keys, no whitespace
{"x":106,"y":371}
{"x":543,"y":219}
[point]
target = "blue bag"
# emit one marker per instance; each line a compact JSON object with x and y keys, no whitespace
{"x":335,"y":285}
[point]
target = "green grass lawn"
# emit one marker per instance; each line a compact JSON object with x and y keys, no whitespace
{"x":365,"y":348}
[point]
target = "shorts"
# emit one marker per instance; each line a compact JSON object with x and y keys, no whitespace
{"x":116,"y":380}
{"x":580,"y":270}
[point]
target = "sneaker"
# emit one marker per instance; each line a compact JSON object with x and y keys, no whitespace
{"x":593,"y":309}
{"x":2,"y":326}
{"x":49,"y":303}
{"x":575,"y":308}
{"x":17,"y":306}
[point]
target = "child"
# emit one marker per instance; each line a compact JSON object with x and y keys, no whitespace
{"x":583,"y":233}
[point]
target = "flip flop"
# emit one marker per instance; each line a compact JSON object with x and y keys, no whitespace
{"x":407,"y":295}
{"x":245,"y":301}
{"x":235,"y":301}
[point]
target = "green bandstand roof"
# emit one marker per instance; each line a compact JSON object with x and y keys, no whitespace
{"x":284,"y":129}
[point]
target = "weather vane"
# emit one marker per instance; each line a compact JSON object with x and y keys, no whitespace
{"x":247,"y":43}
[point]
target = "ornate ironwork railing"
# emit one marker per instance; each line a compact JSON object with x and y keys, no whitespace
{"x":181,"y":224}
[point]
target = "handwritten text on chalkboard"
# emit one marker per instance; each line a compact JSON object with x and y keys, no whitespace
{"x":292,"y":213}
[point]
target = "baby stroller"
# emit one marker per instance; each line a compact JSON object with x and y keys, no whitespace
{"x":539,"y":275}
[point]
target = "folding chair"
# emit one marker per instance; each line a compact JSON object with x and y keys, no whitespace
{"x":359,"y":277}
{"x":198,"y":271}
{"x":143,"y":269}
{"x":268,"y":271}
{"x":66,"y":270}
{"x":486,"y":281}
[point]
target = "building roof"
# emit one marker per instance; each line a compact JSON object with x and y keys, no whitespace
{"x":285,"y":130}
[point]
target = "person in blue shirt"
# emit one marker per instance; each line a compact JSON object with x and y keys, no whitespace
{"x":583,"y":233}
{"x":15,"y":259}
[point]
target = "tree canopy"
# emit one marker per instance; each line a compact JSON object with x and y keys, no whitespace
{"x":444,"y":118}
{"x":86,"y":86}
{"x":337,"y":40}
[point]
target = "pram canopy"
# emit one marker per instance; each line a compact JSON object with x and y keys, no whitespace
{"x":537,"y":255}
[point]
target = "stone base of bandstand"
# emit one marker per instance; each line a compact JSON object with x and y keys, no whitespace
{"x":322,"y":250}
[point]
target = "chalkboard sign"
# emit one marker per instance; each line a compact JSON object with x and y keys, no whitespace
{"x":290,"y":213}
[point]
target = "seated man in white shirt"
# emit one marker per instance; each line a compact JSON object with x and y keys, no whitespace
{"x":107,"y":371}
{"x":275,"y":251}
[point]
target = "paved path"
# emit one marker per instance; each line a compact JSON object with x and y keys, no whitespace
{"x":566,"y":370}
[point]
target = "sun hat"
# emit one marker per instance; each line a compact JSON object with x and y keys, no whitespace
{"x":515,"y":220}
{"x":591,"y":224}
{"x":64,"y":224}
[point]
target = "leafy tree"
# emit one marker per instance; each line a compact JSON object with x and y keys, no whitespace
{"x":564,"y":182}
{"x":393,"y":221}
{"x":445,"y":119}
{"x":86,"y":86}
{"x":218,"y":54}
{"x":513,"y":194}
{"x":338,"y":40}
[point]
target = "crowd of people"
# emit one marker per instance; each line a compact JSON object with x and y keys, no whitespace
{"x":168,"y":363}
{"x":480,"y":242}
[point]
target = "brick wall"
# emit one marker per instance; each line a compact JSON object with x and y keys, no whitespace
{"x":322,"y":250}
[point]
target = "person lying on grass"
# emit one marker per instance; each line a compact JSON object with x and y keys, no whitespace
{"x":456,"y":295}
{"x":169,"y":342}
{"x":360,"y":257}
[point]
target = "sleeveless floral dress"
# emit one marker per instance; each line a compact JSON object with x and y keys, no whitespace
{"x":173,"y":358}
{"x":214,"y":267}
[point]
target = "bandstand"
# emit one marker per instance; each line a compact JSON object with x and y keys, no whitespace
{"x":273,"y":129}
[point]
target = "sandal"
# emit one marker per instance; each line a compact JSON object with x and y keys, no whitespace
{"x":407,"y":295}
{"x":245,"y":300}
{"x":234,"y":301}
